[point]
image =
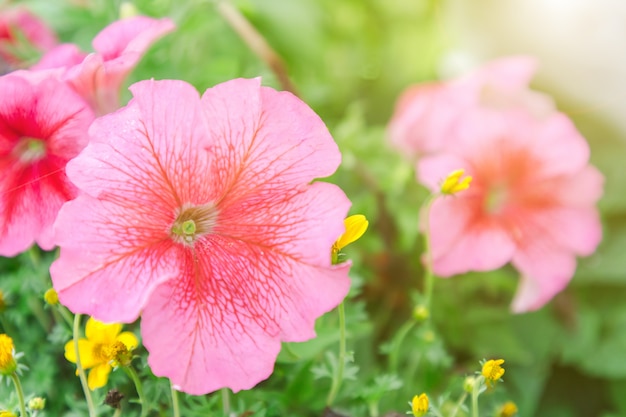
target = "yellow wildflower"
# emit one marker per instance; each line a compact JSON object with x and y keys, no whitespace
{"x":103,"y":348}
{"x":419,"y":405}
{"x":8,"y":365}
{"x":508,"y":409}
{"x":5,"y":413}
{"x":355,"y":225}
{"x":454,"y":184}
{"x":492,"y":371}
{"x":51,"y":297}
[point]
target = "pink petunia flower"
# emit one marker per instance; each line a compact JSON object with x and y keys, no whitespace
{"x":426,"y":114}
{"x":531,"y":202}
{"x":98,"y":76}
{"x":200,"y":215}
{"x":18,"y":25}
{"x":43,"y":124}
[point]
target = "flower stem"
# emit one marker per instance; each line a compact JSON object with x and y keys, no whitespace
{"x":337,"y":379}
{"x":130,"y":371}
{"x":394,"y":354}
{"x":475,"y":393}
{"x":429,"y":278}
{"x":175,"y":406}
{"x":226,"y":402}
{"x":256,"y":42}
{"x":20,"y":394}
{"x":458,"y":404}
{"x":81,"y":371}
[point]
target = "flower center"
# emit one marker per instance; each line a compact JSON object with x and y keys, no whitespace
{"x":193,"y":222}
{"x":30,"y":149}
{"x":496,"y":199}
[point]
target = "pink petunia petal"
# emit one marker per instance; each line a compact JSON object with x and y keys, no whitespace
{"x":61,"y":56}
{"x":110,"y":268}
{"x":546,"y":271}
{"x":134,"y":34}
{"x":34,"y":186}
{"x":460,"y":242}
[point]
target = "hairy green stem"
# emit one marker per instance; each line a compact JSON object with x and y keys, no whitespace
{"x":338,"y":377}
{"x":394,"y":353}
{"x":175,"y":405}
{"x":20,"y":393}
{"x":81,"y":371}
{"x":459,"y":404}
{"x":226,"y":401}
{"x":130,"y":371}
{"x":475,"y":393}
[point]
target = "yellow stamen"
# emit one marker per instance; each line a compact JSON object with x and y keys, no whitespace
{"x":454,"y":184}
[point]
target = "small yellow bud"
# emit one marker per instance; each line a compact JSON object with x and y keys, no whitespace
{"x":419,"y":405}
{"x":492,"y":371}
{"x":421,"y":313}
{"x":51,"y":297}
{"x":508,"y":409}
{"x":37,"y":403}
{"x":128,"y":9}
{"x":454,"y":184}
{"x":468,"y":384}
{"x":8,"y":365}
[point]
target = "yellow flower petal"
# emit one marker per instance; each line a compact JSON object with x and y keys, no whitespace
{"x":86,"y":350}
{"x":129,"y":339}
{"x":98,"y":332}
{"x":355,"y":225}
{"x":98,"y":376}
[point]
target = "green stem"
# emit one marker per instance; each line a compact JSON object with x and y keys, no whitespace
{"x":394,"y":354}
{"x":226,"y":401}
{"x":337,"y":379}
{"x":81,"y":371}
{"x":429,"y":278}
{"x":130,"y":371}
{"x":175,"y":406}
{"x":373,"y":408}
{"x":475,"y":393}
{"x":118,"y":412}
{"x":458,"y":404}
{"x":65,"y":313}
{"x":20,"y":394}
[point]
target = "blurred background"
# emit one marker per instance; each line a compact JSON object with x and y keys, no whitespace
{"x":349,"y":60}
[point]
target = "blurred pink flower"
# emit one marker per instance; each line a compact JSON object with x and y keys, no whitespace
{"x":99,"y":76}
{"x":531,"y":202}
{"x":19,"y":23}
{"x":43,"y":124}
{"x":200,"y":215}
{"x":426,"y":114}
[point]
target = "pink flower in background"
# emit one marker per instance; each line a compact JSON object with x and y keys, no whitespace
{"x":531,"y":202}
{"x":427,"y":114}
{"x":43,"y":124}
{"x":20,"y":23}
{"x":200,"y":215}
{"x":99,"y":76}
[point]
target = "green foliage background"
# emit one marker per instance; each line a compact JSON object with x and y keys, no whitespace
{"x":349,"y":60}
